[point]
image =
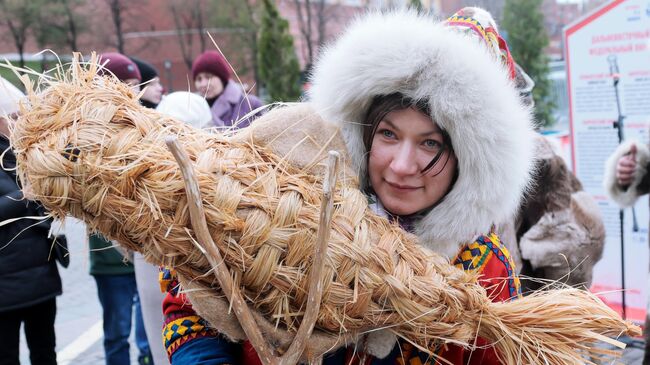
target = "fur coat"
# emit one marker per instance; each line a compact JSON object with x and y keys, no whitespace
{"x":625,"y":196}
{"x":558,"y":233}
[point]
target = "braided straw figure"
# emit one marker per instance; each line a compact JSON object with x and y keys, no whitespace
{"x":85,"y":147}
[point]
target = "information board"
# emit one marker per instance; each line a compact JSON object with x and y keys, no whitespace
{"x":612,"y":43}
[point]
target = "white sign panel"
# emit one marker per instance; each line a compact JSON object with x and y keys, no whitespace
{"x":612,"y":43}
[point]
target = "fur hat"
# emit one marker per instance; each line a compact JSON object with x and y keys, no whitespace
{"x":211,"y":62}
{"x":187,"y":107}
{"x":9,"y":97}
{"x":120,"y":65}
{"x":147,"y":71}
{"x":470,"y":96}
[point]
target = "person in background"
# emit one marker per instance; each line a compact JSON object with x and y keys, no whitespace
{"x":229,"y":102}
{"x":153,"y":89}
{"x":626,"y":179}
{"x":113,"y":269}
{"x":29,"y":277}
{"x":187,"y":107}
{"x":146,"y":274}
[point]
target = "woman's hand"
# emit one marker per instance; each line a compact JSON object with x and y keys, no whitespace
{"x":625,"y":167}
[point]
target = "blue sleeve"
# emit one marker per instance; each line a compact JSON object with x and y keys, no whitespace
{"x":205,"y":351}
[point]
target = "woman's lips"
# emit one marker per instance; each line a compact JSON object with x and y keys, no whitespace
{"x":401,"y":187}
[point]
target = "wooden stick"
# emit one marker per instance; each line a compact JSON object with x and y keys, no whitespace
{"x":200,"y":226}
{"x":318,"y":262}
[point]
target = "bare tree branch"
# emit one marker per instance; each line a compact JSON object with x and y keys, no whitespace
{"x":18,"y":16}
{"x":307,"y":13}
{"x":72,"y":26}
{"x":117,"y":8}
{"x":184,"y":42}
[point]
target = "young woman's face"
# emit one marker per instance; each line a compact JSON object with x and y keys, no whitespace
{"x":153,"y":91}
{"x":404,"y":144}
{"x":208,"y":85}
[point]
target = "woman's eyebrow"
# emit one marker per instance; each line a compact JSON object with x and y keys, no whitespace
{"x":425,"y":134}
{"x":390,"y":124}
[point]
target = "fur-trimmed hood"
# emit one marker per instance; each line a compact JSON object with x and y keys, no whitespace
{"x":470,"y":97}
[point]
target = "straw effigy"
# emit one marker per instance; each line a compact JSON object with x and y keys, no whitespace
{"x":86,"y":148}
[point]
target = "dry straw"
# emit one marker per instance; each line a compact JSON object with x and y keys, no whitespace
{"x":85,"y":147}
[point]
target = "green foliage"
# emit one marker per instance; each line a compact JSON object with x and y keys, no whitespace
{"x":17,"y":17}
{"x":54,"y":24}
{"x":416,"y":4}
{"x":277,"y":62}
{"x":527,"y":39}
{"x":10,"y":76}
{"x":238,"y":17}
{"x":59,"y":24}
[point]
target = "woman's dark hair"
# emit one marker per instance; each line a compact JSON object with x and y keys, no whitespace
{"x":384,"y":104}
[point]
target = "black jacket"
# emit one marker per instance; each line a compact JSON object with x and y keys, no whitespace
{"x":28,"y":272}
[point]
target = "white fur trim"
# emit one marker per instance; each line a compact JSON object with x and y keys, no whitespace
{"x":625,"y":198}
{"x":470,"y":97}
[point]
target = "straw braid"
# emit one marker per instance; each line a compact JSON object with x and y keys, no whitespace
{"x":86,"y":148}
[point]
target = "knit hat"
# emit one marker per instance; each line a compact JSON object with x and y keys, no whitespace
{"x":480,"y":23}
{"x":9,"y":97}
{"x":212,"y":62}
{"x":120,"y":65}
{"x":187,"y":107}
{"x":147,"y":71}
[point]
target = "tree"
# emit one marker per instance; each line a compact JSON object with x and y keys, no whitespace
{"x":416,"y":4}
{"x":309,"y":12}
{"x":527,"y":39}
{"x":59,"y":24}
{"x":278,"y":65}
{"x":73,"y":22}
{"x":238,"y":22}
{"x":189,"y":21}
{"x":230,"y":22}
{"x":118,"y":10}
{"x":19,"y":16}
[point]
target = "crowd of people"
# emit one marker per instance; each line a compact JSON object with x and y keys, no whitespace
{"x":436,"y":120}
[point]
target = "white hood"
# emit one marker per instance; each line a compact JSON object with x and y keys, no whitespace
{"x":470,"y":97}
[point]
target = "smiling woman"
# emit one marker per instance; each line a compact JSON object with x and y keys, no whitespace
{"x":441,"y":142}
{"x":411,"y":164}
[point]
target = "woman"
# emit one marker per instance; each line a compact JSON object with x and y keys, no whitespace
{"x":441,"y":144}
{"x":229,"y":103}
{"x":153,"y":89}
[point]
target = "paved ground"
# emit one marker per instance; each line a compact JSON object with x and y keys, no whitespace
{"x":78,"y":322}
